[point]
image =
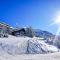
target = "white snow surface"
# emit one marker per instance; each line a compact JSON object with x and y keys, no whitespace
{"x":15,"y":48}
{"x":13,"y":45}
{"x":22,"y":45}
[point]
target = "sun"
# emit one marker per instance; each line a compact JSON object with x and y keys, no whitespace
{"x":57,"y":20}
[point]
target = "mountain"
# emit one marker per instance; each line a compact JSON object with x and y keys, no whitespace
{"x":48,"y":37}
{"x":43,"y":34}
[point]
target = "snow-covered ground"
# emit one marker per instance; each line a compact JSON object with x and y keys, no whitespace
{"x":15,"y":48}
{"x":21,"y":45}
{"x":51,"y":56}
{"x":13,"y":45}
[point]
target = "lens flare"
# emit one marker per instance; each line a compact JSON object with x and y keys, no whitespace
{"x":56,"y":21}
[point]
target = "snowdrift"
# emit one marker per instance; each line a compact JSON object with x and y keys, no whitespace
{"x":24,"y":45}
{"x":36,"y":46}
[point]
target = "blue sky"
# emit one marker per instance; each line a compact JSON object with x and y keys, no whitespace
{"x":35,"y":13}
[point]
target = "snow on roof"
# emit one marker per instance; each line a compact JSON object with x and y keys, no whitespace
{"x":6,"y":25}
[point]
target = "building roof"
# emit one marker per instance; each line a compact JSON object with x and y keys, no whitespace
{"x":6,"y":25}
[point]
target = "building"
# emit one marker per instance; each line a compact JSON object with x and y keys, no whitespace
{"x":18,"y":32}
{"x":4,"y":29}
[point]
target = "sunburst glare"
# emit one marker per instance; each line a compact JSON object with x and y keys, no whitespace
{"x":56,"y":21}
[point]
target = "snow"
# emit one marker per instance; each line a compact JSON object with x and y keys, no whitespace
{"x":49,"y":48}
{"x":22,"y":45}
{"x":36,"y":46}
{"x":25,"y":48}
{"x":52,"y":56}
{"x":14,"y":45}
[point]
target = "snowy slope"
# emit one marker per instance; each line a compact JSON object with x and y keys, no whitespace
{"x":21,"y":45}
{"x":36,"y":46}
{"x":13,"y":45}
